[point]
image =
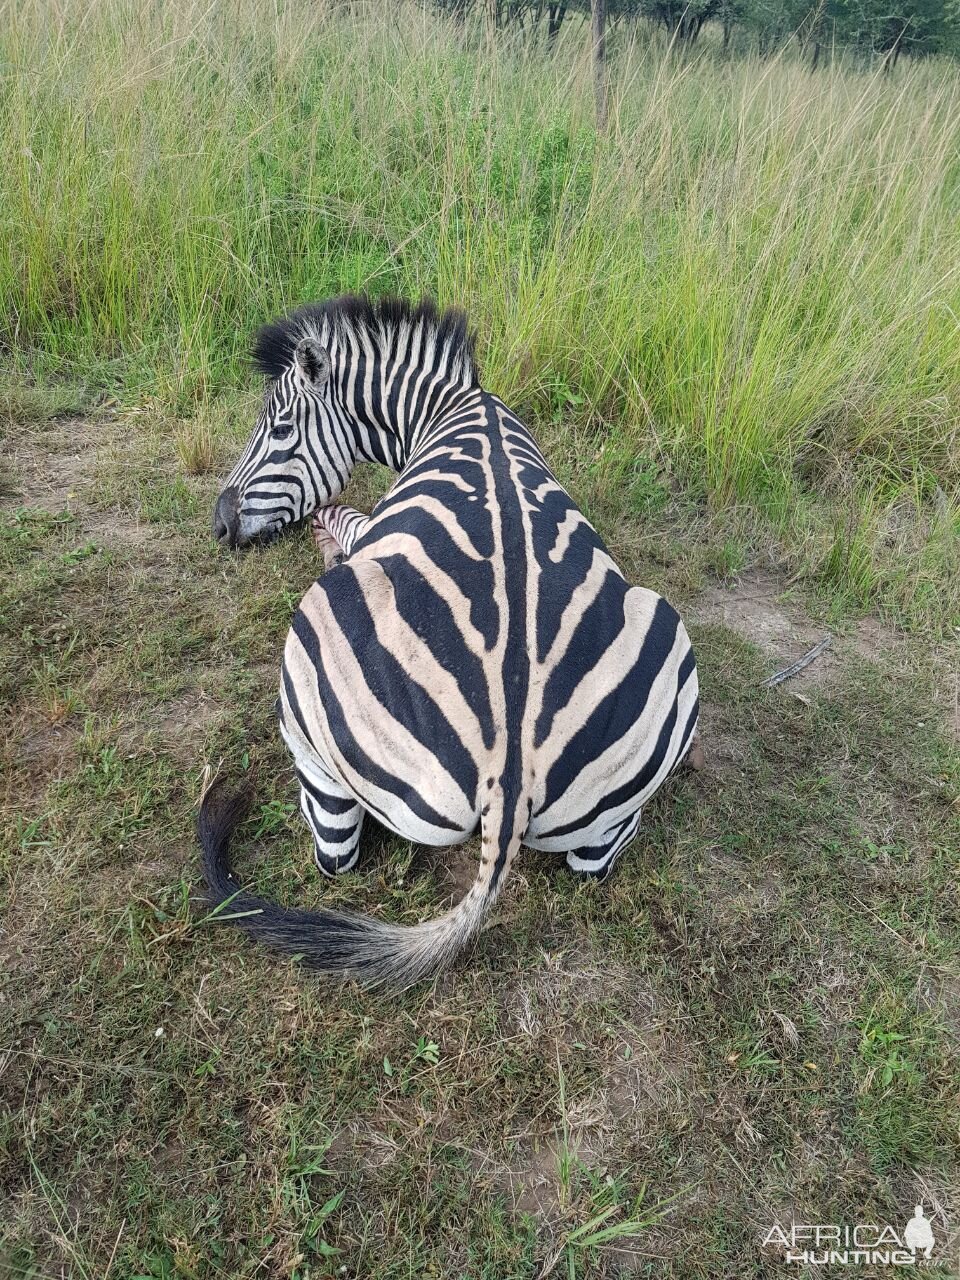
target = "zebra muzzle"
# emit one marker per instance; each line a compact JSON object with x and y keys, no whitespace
{"x":226,"y":518}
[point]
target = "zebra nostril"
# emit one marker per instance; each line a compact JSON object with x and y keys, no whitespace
{"x":226,"y":518}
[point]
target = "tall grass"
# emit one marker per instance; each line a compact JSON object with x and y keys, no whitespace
{"x":754,"y":276}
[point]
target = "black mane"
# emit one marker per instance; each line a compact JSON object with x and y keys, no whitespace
{"x":274,"y":344}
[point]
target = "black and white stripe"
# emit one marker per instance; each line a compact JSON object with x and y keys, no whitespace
{"x":475,"y":659}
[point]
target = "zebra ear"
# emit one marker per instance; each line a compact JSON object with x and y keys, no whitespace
{"x":313,"y":362}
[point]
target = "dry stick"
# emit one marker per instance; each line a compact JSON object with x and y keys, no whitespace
{"x":796,"y":667}
{"x":116,"y":1245}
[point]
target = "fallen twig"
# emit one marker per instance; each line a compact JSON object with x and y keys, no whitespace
{"x":796,"y":667}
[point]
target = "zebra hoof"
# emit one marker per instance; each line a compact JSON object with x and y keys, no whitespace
{"x":695,"y":758}
{"x":331,"y":866}
{"x":327,"y":544}
{"x":583,"y":871}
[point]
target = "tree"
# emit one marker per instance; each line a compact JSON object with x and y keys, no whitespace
{"x":598,"y":32}
{"x":684,"y":19}
{"x":876,"y":28}
{"x":555,"y":16}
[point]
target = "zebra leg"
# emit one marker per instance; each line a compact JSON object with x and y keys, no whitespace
{"x":335,"y":530}
{"x":596,"y":861}
{"x":335,"y":819}
{"x":327,"y":543}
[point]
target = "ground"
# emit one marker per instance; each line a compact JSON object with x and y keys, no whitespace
{"x":757,"y":1020}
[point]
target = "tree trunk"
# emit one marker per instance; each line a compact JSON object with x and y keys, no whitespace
{"x":599,"y":33}
{"x":555,"y":15}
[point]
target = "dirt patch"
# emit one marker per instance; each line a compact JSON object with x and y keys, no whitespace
{"x":183,"y":722}
{"x":57,"y":471}
{"x":651,"y":1073}
{"x":640,"y":1075}
{"x":831,"y":986}
{"x":49,"y":469}
{"x":552,"y":999}
{"x":537,"y":1180}
{"x":455,"y":868}
{"x":737,"y":889}
{"x":645,"y":1079}
{"x":870,"y":639}
{"x":107,"y":529}
{"x":375,"y":1143}
{"x":45,"y":751}
{"x":754,"y":608}
{"x":724,"y":748}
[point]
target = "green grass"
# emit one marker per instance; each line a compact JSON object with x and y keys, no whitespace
{"x":757,"y":1017}
{"x":752,"y":281}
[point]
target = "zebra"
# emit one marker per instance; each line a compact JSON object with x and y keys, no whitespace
{"x":472,"y":657}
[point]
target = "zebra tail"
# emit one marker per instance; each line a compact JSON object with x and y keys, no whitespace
{"x":340,"y":942}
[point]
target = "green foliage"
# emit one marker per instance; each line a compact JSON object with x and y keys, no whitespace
{"x":868,"y":27}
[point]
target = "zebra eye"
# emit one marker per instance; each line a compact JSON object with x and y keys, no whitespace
{"x":282,"y":428}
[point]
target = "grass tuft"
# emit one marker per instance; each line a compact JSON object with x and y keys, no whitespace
{"x":196,"y":448}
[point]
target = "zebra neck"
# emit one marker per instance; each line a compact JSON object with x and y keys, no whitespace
{"x":450,"y":404}
{"x":390,"y":432}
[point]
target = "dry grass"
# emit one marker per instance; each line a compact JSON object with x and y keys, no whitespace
{"x":196,"y":447}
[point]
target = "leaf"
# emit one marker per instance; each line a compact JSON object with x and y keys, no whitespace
{"x":594,"y":1222}
{"x":333,"y":1203}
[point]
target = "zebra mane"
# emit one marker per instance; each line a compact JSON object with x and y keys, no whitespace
{"x":380,"y":318}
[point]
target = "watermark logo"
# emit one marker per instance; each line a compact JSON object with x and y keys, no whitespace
{"x":832,"y":1244}
{"x":918,"y":1234}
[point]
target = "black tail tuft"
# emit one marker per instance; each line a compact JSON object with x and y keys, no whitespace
{"x":335,"y":942}
{"x":220,"y":815}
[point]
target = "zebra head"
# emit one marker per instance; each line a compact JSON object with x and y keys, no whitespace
{"x":349,"y":380}
{"x":299,"y":456}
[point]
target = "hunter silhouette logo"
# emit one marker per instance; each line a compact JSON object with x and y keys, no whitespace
{"x":918,"y":1233}
{"x":830,"y":1244}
